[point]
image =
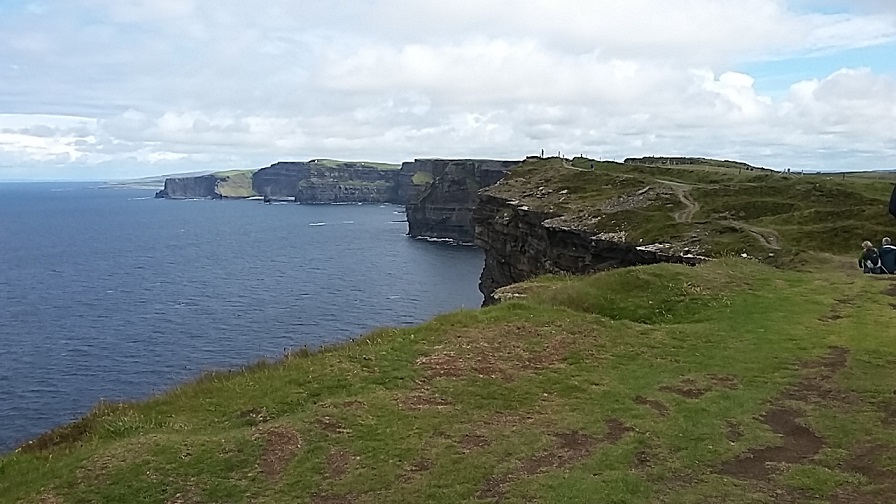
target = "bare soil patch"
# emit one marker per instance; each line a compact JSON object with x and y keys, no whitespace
{"x":832,"y":362}
{"x":423,"y":399}
{"x":331,"y":426}
{"x":867,"y":461}
{"x":503,"y":352}
{"x":837,"y":310}
{"x":692,"y":388}
{"x":888,"y":408}
{"x":255,"y":416}
{"x":818,"y":384}
{"x":338,"y":462}
{"x":891,"y":290}
{"x":642,"y":461}
{"x":733,"y":431}
{"x":569,"y":449}
{"x":723,"y":381}
{"x":281,"y":443}
{"x":415,"y":468}
{"x":472,"y":442}
{"x":653,"y":404}
{"x":798,"y":444}
{"x":687,"y":388}
{"x":442,"y":365}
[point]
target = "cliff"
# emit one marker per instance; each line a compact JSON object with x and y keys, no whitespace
{"x":327,"y":181}
{"x":204,"y":186}
{"x":220,"y":185}
{"x":315,"y":181}
{"x":582,"y":216}
{"x":442,"y":193}
{"x":521,"y":243}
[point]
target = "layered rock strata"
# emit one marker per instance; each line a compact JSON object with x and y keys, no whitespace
{"x":204,"y":186}
{"x":319,"y":183}
{"x":443,"y":192}
{"x":521,"y":243}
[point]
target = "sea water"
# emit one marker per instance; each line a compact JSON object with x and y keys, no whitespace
{"x":109,"y":294}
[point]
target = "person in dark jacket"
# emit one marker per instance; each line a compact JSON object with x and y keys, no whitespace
{"x":893,"y":202}
{"x":887,"y":255}
{"x":869,"y":261}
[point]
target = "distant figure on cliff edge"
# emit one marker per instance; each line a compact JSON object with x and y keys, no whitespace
{"x":887,"y":255}
{"x":869,"y":261}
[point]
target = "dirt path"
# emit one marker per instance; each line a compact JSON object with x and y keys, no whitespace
{"x":768,"y":237}
{"x":690,"y":204}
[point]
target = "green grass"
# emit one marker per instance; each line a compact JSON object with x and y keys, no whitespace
{"x":422,"y":178}
{"x":766,"y":215}
{"x":235,"y":183}
{"x":334,"y":163}
{"x":570,"y":392}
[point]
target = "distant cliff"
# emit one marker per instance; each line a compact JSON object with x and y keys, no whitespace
{"x":328,"y":181}
{"x":692,"y":161}
{"x":203,"y":186}
{"x":439,"y":193}
{"x":315,"y":181}
{"x":443,"y":193}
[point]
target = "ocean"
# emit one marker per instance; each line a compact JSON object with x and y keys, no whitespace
{"x":109,"y":294}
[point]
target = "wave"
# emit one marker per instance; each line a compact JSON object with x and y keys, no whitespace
{"x":318,"y":224}
{"x":449,"y":241}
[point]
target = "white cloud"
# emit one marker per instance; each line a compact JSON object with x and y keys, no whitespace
{"x":177,"y":83}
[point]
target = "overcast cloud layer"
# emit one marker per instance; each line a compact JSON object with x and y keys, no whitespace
{"x":93,"y":89}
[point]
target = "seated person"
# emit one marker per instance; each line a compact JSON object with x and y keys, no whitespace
{"x":887,"y":255}
{"x":869,"y":261}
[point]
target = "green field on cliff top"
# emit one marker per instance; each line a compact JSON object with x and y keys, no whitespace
{"x":730,"y":382}
{"x":785,"y":220}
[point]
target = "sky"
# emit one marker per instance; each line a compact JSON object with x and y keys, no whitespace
{"x":116,"y":89}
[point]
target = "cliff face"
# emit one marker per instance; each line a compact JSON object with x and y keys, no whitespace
{"x":443,"y":207}
{"x":521,"y":243}
{"x":332,"y":183}
{"x":204,"y":186}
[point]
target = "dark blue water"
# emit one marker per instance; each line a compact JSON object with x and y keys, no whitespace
{"x":107,"y":293}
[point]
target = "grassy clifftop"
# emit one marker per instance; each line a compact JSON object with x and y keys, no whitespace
{"x":729,"y":382}
{"x":711,"y":209}
{"x":235,"y":183}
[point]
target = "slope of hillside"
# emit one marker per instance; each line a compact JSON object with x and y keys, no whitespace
{"x":727,"y":382}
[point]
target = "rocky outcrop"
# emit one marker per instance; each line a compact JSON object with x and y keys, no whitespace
{"x":442,"y":193}
{"x":204,"y":186}
{"x":521,"y":243}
